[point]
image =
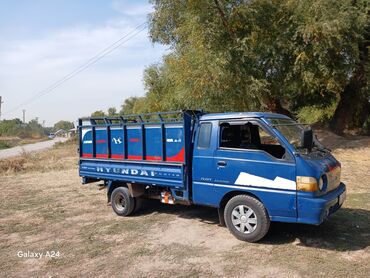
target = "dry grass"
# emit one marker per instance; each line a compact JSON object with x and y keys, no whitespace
{"x":9,"y":142}
{"x":63,"y":156}
{"x":43,"y":207}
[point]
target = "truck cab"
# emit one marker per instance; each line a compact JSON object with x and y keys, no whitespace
{"x":254,"y":167}
{"x":260,"y":155}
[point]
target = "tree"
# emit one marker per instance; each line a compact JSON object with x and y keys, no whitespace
{"x":112,"y":111}
{"x":353,"y":109}
{"x":32,"y":130}
{"x":16,"y":127}
{"x":65,"y":125}
{"x":10,"y":127}
{"x":280,"y":56}
{"x":98,"y":113}
{"x":128,"y":106}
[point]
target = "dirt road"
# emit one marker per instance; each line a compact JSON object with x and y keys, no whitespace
{"x":45,"y":209}
{"x":30,"y":147}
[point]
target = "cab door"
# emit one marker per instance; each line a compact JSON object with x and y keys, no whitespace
{"x":205,"y":143}
{"x":257,"y":163}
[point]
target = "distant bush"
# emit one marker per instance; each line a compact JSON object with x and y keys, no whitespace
{"x":15,"y":127}
{"x":4,"y":145}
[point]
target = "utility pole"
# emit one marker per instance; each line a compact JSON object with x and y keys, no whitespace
{"x":43,"y":123}
{"x":24,"y":116}
{"x":1,"y":101}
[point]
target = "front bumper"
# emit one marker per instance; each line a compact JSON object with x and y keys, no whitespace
{"x":314,"y":210}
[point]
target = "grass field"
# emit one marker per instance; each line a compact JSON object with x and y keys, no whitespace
{"x":44,"y":208}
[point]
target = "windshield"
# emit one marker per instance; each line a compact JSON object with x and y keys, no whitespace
{"x":291,"y":130}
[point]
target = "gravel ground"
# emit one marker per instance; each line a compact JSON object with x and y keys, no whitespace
{"x":48,"y":211}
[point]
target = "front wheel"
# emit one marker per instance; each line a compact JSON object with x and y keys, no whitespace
{"x":246,"y":218}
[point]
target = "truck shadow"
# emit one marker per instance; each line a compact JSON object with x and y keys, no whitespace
{"x":347,"y":230}
{"x":202,"y":214}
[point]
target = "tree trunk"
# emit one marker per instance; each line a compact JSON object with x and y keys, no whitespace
{"x":274,"y":105}
{"x":353,"y":108}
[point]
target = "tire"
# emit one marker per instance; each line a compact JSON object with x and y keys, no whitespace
{"x":122,"y":202}
{"x":246,"y":218}
{"x":138,"y":204}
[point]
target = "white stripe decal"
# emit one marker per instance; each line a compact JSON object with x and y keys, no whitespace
{"x":241,"y":187}
{"x":84,"y":131}
{"x":252,"y":180}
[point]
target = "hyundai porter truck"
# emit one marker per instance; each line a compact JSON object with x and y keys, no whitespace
{"x":254,"y":167}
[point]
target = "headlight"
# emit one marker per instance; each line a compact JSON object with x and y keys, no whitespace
{"x":307,"y":184}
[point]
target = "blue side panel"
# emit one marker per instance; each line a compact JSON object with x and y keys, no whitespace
{"x":101,"y":143}
{"x":175,"y":143}
{"x":117,"y":142}
{"x":219,"y":171}
{"x":278,"y":203}
{"x":134,"y":144}
{"x":153,"y":143}
{"x":170,"y":175}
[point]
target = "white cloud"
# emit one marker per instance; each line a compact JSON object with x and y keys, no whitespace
{"x":28,"y":66}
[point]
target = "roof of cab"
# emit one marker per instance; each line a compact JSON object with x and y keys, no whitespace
{"x":240,"y":115}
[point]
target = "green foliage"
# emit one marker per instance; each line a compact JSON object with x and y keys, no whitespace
{"x":65,"y":125}
{"x":316,"y":114}
{"x":99,"y":113}
{"x":280,"y":56}
{"x":112,"y":111}
{"x":132,"y":105}
{"x":10,"y":127}
{"x":4,"y":145}
{"x":15,"y":127}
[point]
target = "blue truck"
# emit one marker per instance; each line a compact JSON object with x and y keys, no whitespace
{"x":253,"y":167}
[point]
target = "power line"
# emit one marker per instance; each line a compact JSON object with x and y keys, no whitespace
{"x":93,"y":60}
{"x":86,"y":65}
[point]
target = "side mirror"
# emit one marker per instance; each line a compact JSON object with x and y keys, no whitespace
{"x":307,"y":139}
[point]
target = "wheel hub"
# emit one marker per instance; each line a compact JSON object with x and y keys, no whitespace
{"x":119,"y":202}
{"x":244,"y":219}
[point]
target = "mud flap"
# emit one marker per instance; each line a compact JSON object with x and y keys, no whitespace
{"x":110,"y":189}
{"x":221,"y":217}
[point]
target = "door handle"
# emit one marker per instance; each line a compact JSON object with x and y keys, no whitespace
{"x":221,"y":163}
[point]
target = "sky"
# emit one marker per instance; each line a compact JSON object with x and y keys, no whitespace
{"x":41,"y":41}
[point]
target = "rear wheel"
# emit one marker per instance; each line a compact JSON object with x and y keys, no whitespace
{"x":246,"y":218}
{"x":122,"y":202}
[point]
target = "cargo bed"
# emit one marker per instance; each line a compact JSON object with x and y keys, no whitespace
{"x":153,"y":149}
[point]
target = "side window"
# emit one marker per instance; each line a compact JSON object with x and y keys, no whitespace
{"x":266,"y":138}
{"x":249,"y":136}
{"x":229,"y":135}
{"x":204,"y":137}
{"x":270,"y":144}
